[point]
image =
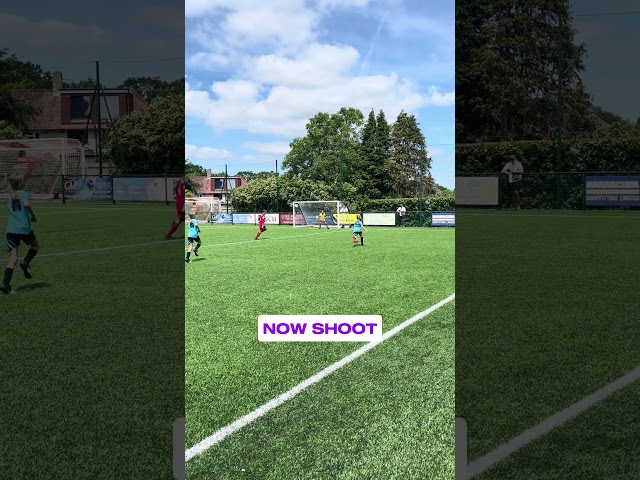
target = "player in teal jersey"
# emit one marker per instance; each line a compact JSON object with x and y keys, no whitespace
{"x":357,"y":231}
{"x":18,"y":230}
{"x":193,"y":236}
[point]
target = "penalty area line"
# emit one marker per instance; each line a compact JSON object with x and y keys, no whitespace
{"x":505,"y":450}
{"x":261,"y":240}
{"x":118,"y":247}
{"x":242,"y":422}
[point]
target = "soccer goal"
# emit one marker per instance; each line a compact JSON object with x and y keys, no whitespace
{"x":202,"y":207}
{"x":43,"y":163}
{"x":307,"y":213}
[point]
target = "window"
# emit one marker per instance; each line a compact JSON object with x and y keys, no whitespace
{"x":80,"y":107}
{"x":110,"y":105}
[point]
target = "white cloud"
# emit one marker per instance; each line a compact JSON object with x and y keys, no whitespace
{"x":285,"y":110}
{"x":194,"y":153}
{"x":277,"y":148}
{"x":317,"y":65}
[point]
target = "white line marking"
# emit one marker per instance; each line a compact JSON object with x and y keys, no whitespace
{"x":77,"y":252}
{"x":586,"y":216}
{"x":487,"y":461}
{"x":259,"y":412}
{"x":260,"y":240}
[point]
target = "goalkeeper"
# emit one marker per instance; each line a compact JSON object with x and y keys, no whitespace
{"x":322,"y":218}
{"x":18,"y":230}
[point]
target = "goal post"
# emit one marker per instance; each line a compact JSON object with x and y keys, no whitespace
{"x":307,"y":213}
{"x":202,"y":207}
{"x":44,"y":162}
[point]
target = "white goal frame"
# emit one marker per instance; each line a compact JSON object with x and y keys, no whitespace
{"x":66,"y":158}
{"x":215,"y":205}
{"x":333,"y":224}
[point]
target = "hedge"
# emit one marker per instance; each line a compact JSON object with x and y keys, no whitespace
{"x":605,"y":155}
{"x":442,"y":202}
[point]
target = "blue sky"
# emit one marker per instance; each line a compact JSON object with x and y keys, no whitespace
{"x":141,"y":39}
{"x":257,"y":71}
{"x":612,"y":72}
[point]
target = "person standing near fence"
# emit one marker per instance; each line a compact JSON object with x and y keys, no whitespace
{"x":401,"y":211}
{"x":513,"y":169}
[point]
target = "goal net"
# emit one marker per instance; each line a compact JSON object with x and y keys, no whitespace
{"x":307,"y":213}
{"x":43,"y":163}
{"x":202,"y":207}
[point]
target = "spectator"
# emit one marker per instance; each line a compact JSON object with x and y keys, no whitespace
{"x":513,"y":169}
{"x":401,"y":211}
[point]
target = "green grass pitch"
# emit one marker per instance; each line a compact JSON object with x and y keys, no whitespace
{"x":91,"y":370}
{"x":387,"y":414}
{"x":547,"y":313}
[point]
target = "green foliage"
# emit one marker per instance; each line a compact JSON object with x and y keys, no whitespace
{"x":409,"y":157}
{"x":620,"y":130}
{"x":87,"y":83}
{"x":193,"y":169}
{"x":438,"y":203}
{"x":152,"y":88}
{"x":249,"y":176}
{"x":613,"y":155}
{"x":602,"y":155}
{"x":331,"y":139}
{"x":150,"y":141}
{"x":16,"y":74}
{"x":8,"y":131}
{"x":506,"y":58}
{"x":261,"y":193}
{"x":191,"y":186}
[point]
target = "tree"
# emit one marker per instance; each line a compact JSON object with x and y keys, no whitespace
{"x":150,"y":141}
{"x":16,"y":74}
{"x":82,"y":84}
{"x":8,"y":131}
{"x":152,"y":88}
{"x":331,"y":140}
{"x":381,"y":154}
{"x":409,"y":158}
{"x":191,"y":169}
{"x":250,"y":176}
{"x":261,"y":193}
{"x":506,"y":84}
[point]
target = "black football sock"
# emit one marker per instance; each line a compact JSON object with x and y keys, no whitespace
{"x":361,"y":240}
{"x":188,"y":255}
{"x":29,"y":256}
{"x":8,"y":273}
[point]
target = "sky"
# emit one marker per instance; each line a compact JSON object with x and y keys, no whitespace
{"x":257,"y":71}
{"x":612,"y":72}
{"x":129,"y":39}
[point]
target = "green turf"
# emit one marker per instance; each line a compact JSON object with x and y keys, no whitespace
{"x":389,"y":413}
{"x":92,"y":346}
{"x":546,"y":313}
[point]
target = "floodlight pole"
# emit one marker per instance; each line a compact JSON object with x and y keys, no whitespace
{"x":225,"y":187}
{"x":99,"y":132}
{"x":341,"y":157}
{"x":277,"y":201}
{"x":559,"y":112}
{"x":421,"y":174}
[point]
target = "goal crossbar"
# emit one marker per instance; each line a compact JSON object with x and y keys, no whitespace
{"x":307,"y":213}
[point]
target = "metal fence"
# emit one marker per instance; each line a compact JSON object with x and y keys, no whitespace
{"x":548,"y":190}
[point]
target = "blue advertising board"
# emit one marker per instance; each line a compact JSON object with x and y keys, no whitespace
{"x":612,"y":191}
{"x":222,"y":218}
{"x":87,"y":188}
{"x":443,"y":219}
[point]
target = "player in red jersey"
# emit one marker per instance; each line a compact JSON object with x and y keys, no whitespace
{"x":261,"y":223}
{"x":180,"y":194}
